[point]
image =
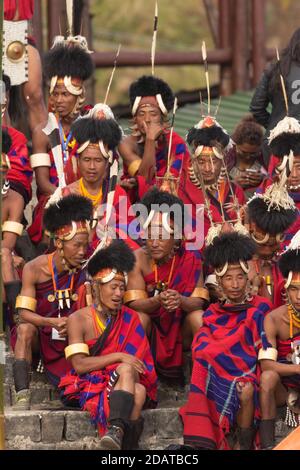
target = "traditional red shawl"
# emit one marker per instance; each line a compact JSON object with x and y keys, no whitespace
{"x":20,"y":173}
{"x":224,"y":352}
{"x":166,"y":338}
{"x":52,"y":351}
{"x":124,"y":334}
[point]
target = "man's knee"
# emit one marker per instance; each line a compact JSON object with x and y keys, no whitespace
{"x":139,"y":394}
{"x":246,"y":393}
{"x":126,"y":369}
{"x":269,"y":380}
{"x":26,"y":332}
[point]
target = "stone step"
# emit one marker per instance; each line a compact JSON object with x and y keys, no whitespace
{"x":64,"y":429}
{"x":36,"y":429}
{"x":45,"y":395}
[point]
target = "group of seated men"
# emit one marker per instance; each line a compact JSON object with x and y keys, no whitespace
{"x":195,"y":246}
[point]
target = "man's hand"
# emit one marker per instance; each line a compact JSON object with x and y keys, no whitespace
{"x":153,"y":130}
{"x":128,"y":183}
{"x":254,"y":178}
{"x":18,"y":262}
{"x":133,"y":361}
{"x":170,"y":300}
{"x":60,"y":324}
{"x":242,"y":180}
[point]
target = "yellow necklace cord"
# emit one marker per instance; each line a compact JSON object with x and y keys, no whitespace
{"x":95,"y":198}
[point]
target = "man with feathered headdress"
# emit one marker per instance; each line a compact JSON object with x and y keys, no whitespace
{"x":224,"y":384}
{"x":206,"y":181}
{"x":166,"y":285}
{"x":98,"y":136}
{"x":113,"y":370}
{"x":280,"y":362}
{"x":269,"y":216}
{"x":145,"y":151}
{"x":284,"y":143}
{"x":49,"y":294}
{"x":67,"y":65}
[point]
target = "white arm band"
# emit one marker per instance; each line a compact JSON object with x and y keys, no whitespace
{"x":13,"y":227}
{"x":39,"y":159}
{"x":270,"y":354}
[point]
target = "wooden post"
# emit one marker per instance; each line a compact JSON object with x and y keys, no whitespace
{"x":87,"y":31}
{"x":37,"y":25}
{"x":224,"y":42}
{"x":240,"y":45}
{"x":258,"y":39}
{"x":56,"y":20}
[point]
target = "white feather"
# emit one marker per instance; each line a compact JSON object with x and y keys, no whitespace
{"x":288,"y":125}
{"x":69,"y":5}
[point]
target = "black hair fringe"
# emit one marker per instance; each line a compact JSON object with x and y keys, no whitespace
{"x":289,"y":261}
{"x":68,"y":60}
{"x":230,"y":248}
{"x":270,"y":221}
{"x":208,"y":136}
{"x":108,"y":130}
{"x":67,"y":209}
{"x":117,"y":256}
{"x":147,"y":85}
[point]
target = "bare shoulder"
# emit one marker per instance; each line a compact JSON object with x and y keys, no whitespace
{"x":128,"y":146}
{"x":276,"y":317}
{"x":80,"y":315}
{"x":128,"y":140}
{"x":141,"y":257}
{"x":38,"y":263}
{"x":277,"y":313}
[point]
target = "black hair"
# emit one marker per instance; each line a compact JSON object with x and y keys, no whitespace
{"x":270,"y":221}
{"x":117,"y":256}
{"x":163,"y":199}
{"x":208,"y":136}
{"x":107,"y":130}
{"x":70,"y":208}
{"x":285,"y":143}
{"x":229,"y":248}
{"x":289,"y":261}
{"x":6,"y":141}
{"x":7,"y":82}
{"x":68,"y":60}
{"x":147,"y":85}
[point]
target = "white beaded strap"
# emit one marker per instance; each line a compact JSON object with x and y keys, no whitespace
{"x":39,"y":159}
{"x":13,"y":227}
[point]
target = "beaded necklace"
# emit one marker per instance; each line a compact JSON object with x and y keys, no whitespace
{"x":61,"y":295}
